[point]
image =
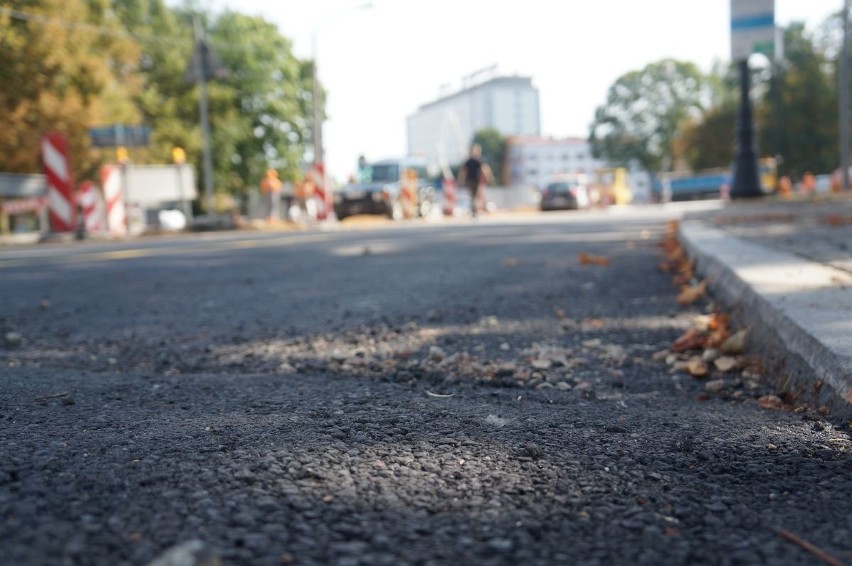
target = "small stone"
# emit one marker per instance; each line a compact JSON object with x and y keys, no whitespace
{"x":500,"y":544}
{"x":436,"y":354}
{"x":339,"y":356}
{"x":191,"y":553}
{"x":44,"y":304}
{"x":14,"y":338}
{"x":735,"y":344}
{"x":710,"y":356}
{"x":563,"y":386}
{"x":541,"y":364}
{"x":505,"y":347}
{"x":771,"y":447}
{"x":715,"y":385}
{"x":696,"y":367}
{"x":725,"y":363}
{"x":661,"y":356}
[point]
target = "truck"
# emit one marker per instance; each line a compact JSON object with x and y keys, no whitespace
{"x":708,"y":183}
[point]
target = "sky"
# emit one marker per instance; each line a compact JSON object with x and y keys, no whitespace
{"x":381,"y":60}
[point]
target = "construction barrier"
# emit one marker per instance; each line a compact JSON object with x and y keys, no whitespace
{"x":322,"y":193}
{"x":60,"y":193}
{"x":408,"y":193}
{"x":449,"y":197}
{"x":91,"y":203}
{"x":116,"y":216}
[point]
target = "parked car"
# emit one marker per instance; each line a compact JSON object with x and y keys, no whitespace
{"x":381,"y":194}
{"x":565,"y":193}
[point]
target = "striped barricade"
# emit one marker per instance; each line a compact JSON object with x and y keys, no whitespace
{"x":116,"y":217}
{"x":91,"y":203}
{"x":60,"y":193}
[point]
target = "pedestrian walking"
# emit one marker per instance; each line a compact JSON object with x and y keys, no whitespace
{"x":271,"y":187}
{"x":474,"y":174}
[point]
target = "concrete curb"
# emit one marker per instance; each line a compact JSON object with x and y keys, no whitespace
{"x":799,"y":312}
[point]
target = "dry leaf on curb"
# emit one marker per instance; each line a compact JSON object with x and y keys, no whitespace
{"x":690,"y":340}
{"x":589,"y":259}
{"x":696,"y":367}
{"x":691,"y":294}
{"x":770,"y":402}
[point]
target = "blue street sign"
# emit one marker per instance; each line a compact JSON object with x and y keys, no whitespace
{"x":119,"y":135}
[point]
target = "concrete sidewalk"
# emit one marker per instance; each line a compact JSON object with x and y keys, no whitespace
{"x":784,"y":269}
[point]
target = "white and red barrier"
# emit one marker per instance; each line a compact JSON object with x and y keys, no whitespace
{"x":60,"y":192}
{"x":322,"y":193}
{"x":116,"y":216}
{"x":89,"y":199}
{"x":448,"y":190}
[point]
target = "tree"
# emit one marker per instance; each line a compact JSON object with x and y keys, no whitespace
{"x":265,"y":122}
{"x":797,"y":118}
{"x":257,"y":113}
{"x":64,"y":65}
{"x":493,"y":145}
{"x":644,"y":113}
{"x":707,"y":141}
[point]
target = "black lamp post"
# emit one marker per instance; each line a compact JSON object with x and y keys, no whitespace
{"x":746,"y":183}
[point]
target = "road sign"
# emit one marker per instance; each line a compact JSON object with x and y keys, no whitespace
{"x":119,"y":135}
{"x":752,"y":28}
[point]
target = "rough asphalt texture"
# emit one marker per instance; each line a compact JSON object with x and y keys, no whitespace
{"x":467,"y":395}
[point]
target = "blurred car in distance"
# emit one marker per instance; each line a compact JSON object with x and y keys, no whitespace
{"x":565,"y":192}
{"x":381,"y":193}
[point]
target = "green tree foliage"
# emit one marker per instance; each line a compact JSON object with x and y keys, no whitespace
{"x":167,"y":104}
{"x":262,"y":107}
{"x":64,"y":65}
{"x":644,"y":113}
{"x":493,"y":145}
{"x":797,"y":117}
{"x":707,"y":141}
{"x":70,"y":65}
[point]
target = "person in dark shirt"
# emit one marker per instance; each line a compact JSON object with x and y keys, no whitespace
{"x":474,"y":173}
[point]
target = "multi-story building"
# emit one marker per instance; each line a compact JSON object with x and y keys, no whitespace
{"x":533,"y":161}
{"x":441,"y":131}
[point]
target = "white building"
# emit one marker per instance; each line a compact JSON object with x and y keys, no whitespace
{"x":441,"y":131}
{"x":533,"y":161}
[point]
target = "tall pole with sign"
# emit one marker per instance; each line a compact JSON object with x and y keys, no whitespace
{"x":752,"y":31}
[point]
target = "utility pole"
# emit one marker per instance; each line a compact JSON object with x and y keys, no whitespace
{"x":844,"y":99}
{"x":201,"y":81}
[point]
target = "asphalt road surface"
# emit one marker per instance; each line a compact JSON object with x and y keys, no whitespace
{"x":449,"y":393}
